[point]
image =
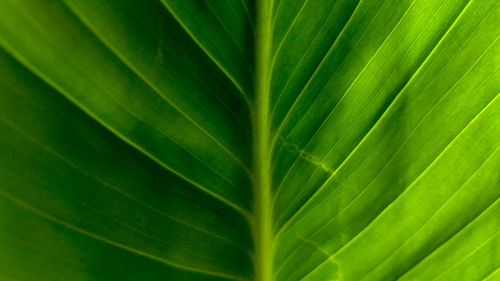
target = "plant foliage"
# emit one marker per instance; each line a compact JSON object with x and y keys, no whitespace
{"x":249,"y":140}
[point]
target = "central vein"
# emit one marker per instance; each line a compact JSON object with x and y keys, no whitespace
{"x":262,"y":228}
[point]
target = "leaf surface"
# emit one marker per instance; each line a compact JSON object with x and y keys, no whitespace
{"x":249,"y":140}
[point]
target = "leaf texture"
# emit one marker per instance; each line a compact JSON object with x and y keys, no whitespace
{"x":250,"y":140}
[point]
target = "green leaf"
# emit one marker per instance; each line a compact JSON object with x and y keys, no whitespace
{"x":241,"y":140}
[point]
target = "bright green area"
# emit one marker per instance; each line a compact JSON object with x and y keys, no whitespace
{"x":267,"y":140}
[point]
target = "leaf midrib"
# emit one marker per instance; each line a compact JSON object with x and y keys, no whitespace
{"x":262,"y":210}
